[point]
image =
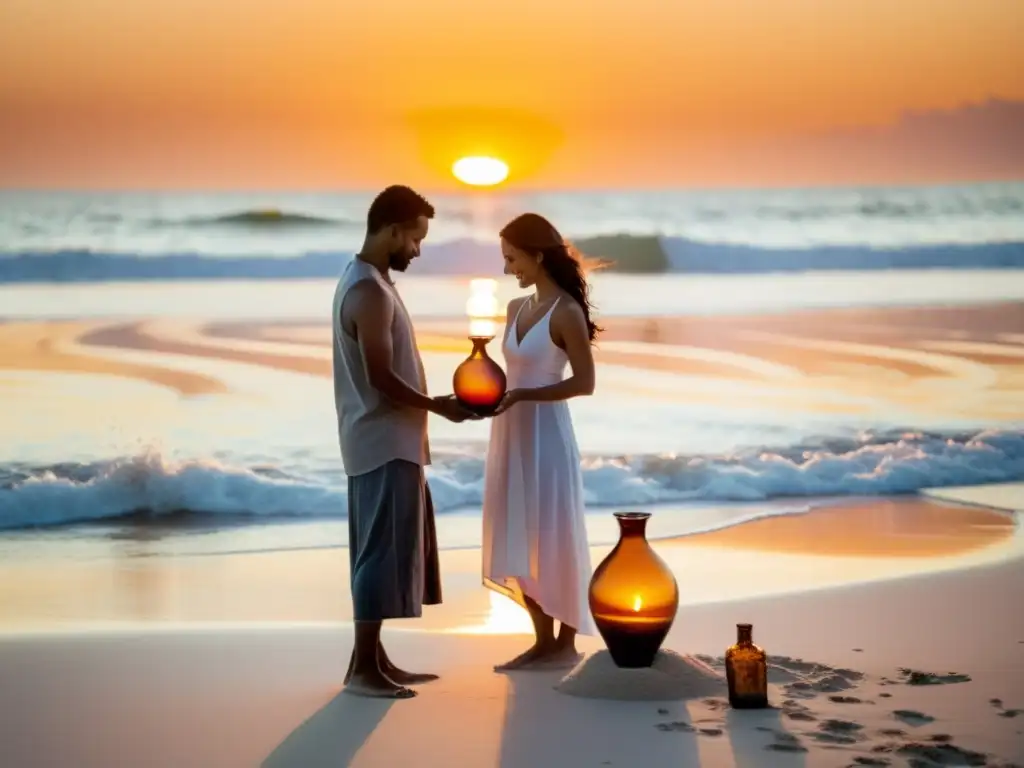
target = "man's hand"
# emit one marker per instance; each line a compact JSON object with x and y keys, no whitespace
{"x":451,"y":409}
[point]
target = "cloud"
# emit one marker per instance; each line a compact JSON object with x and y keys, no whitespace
{"x":978,"y":141}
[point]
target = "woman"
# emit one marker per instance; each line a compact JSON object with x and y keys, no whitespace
{"x":535,"y":542}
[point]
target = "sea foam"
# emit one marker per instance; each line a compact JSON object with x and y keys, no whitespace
{"x":873,"y":464}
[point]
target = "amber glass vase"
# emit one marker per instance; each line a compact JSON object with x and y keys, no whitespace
{"x":746,"y":671}
{"x":479,"y":383}
{"x":633,"y":595}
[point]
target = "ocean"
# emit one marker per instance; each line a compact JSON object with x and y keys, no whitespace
{"x":48,"y":236}
{"x":164,"y":358}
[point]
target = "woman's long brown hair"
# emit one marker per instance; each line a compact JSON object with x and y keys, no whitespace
{"x":534,"y":234}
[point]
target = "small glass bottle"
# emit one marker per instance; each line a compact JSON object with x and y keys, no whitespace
{"x":746,"y":670}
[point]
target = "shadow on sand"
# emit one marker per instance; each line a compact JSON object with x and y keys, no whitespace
{"x":332,"y":736}
{"x":545,"y":727}
{"x":760,"y":740}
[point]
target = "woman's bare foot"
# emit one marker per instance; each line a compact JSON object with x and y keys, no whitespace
{"x":376,"y":686}
{"x":561,"y":658}
{"x":533,"y":656}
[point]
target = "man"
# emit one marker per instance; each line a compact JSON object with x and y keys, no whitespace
{"x":380,"y":393}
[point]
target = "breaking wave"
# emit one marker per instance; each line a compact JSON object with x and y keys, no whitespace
{"x":872,"y":464}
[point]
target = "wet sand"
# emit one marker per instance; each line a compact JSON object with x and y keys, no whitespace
{"x":848,"y":543}
{"x":966,"y":362}
{"x":895,"y":527}
{"x":55,"y":347}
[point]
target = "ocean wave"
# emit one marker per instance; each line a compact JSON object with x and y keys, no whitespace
{"x":262,"y":218}
{"x":891,"y":207}
{"x":625,"y":254}
{"x":151,"y":486}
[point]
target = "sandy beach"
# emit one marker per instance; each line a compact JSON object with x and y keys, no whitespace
{"x":236,"y":674}
{"x":173,"y":577}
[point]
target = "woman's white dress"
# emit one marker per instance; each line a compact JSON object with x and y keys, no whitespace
{"x":535,"y":539}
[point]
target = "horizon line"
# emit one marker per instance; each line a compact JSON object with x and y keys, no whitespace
{"x":511,"y":190}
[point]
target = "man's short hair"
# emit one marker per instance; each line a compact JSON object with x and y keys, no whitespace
{"x":396,"y":205}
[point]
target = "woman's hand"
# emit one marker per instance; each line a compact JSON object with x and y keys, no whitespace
{"x":511,"y":397}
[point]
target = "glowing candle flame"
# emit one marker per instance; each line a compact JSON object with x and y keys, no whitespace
{"x":637,"y":603}
{"x":482,"y":308}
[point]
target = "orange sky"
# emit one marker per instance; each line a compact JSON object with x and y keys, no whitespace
{"x":338,"y":93}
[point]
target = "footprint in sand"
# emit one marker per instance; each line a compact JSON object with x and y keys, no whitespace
{"x":863,"y":760}
{"x":917,"y":677}
{"x":803,"y":679}
{"x":841,"y":726}
{"x":794,"y":710}
{"x":839,"y":732}
{"x":897,"y":732}
{"x":682,"y":726}
{"x":716,"y":704}
{"x":801,"y":689}
{"x":848,"y":700}
{"x":913,"y":718}
{"x":678,"y":725}
{"x":998,"y":704}
{"x":804,"y":717}
{"x":940,"y":754}
{"x":786,"y":747}
{"x":784,"y":742}
{"x":809,"y":689}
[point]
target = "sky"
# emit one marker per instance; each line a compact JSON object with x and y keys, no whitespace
{"x":572,"y":94}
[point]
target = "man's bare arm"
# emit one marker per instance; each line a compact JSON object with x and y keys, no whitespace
{"x":369,"y":311}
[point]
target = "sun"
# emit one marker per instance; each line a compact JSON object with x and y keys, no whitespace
{"x":479,"y":171}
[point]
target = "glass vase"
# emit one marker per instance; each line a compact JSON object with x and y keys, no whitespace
{"x":479,"y":383}
{"x":633,"y":596}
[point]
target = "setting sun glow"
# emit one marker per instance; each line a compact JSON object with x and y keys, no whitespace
{"x":480,"y":171}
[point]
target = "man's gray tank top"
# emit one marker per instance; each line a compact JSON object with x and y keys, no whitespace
{"x":372,"y":429}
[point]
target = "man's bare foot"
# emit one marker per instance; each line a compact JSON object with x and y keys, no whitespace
{"x":402,"y":677}
{"x":377,"y":686}
{"x":528,"y":658}
{"x":393,"y":673}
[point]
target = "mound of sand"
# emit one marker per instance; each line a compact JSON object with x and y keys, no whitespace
{"x":672,"y":677}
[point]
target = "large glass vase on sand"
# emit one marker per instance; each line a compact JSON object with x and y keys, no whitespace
{"x":633,"y":595}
